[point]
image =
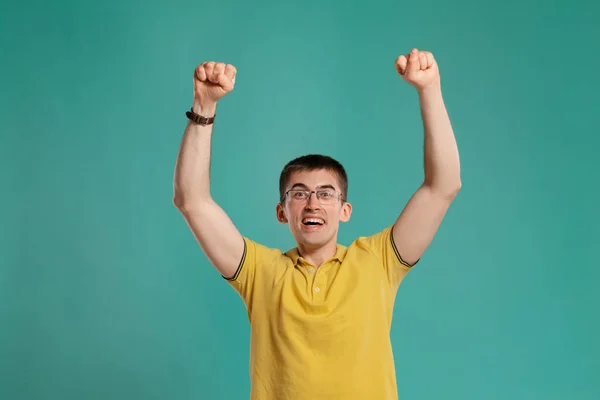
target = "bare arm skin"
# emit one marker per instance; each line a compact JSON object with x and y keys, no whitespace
{"x":214,"y":231}
{"x":419,"y":221}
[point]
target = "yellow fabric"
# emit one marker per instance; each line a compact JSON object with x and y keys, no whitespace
{"x":321,"y":333}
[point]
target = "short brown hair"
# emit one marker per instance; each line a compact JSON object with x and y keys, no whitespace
{"x":313,"y":162}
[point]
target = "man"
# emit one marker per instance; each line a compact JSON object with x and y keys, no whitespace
{"x":320,"y":313}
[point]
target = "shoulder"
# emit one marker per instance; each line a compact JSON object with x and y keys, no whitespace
{"x":258,"y":249}
{"x":256,"y":255}
{"x":381,"y":245}
{"x":374,"y":241}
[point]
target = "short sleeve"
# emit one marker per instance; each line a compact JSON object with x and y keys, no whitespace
{"x":252,"y":270}
{"x":383,"y":247}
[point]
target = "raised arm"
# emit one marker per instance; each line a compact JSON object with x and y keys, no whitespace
{"x":418,"y":222}
{"x":212,"y":228}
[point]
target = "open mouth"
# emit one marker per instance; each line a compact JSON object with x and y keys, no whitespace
{"x":313,"y":222}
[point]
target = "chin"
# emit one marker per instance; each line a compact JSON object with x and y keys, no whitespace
{"x":313,"y":238}
{"x":313,"y":241}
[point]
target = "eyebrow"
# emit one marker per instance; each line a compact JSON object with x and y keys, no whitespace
{"x":303,"y":186}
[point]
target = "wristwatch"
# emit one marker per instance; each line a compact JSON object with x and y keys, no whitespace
{"x":199,"y":119}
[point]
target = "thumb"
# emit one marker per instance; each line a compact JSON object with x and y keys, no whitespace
{"x":401,"y":62}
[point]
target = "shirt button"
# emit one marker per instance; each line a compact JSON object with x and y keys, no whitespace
{"x":312,"y":270}
{"x":317,"y":289}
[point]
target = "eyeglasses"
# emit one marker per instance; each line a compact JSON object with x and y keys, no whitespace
{"x":324,"y":197}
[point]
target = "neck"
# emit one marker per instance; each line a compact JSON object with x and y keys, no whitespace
{"x":318,"y":254}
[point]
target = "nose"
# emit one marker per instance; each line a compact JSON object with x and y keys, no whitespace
{"x":313,"y":202}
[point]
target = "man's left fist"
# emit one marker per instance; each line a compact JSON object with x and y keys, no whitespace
{"x":418,"y":68}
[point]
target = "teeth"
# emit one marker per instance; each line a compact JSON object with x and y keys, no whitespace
{"x":313,"y":221}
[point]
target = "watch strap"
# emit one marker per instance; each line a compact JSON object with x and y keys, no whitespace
{"x":199,"y":119}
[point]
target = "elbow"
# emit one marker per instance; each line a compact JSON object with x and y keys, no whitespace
{"x":187,"y":205}
{"x":178,"y":202}
{"x":185,"y":208}
{"x":185,"y":198}
{"x":454,"y":192}
{"x":456,"y":188}
{"x":179,"y":198}
{"x":446,"y":190}
{"x":449,"y":193}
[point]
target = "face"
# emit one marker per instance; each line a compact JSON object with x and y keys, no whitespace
{"x":314,"y":222}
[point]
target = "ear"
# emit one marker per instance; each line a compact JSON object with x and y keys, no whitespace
{"x":346,"y":212}
{"x":281,"y":214}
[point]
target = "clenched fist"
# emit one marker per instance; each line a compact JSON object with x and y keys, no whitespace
{"x":418,"y":68}
{"x":212,"y":81}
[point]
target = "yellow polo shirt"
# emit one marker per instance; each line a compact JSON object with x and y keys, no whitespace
{"x":321,"y":333}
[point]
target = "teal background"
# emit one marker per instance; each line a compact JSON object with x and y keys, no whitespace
{"x":104,"y":293}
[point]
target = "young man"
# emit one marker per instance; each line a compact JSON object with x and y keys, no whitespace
{"x":320,"y":313}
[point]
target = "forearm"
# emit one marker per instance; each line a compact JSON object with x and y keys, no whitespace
{"x":441,"y":159}
{"x":191,"y":182}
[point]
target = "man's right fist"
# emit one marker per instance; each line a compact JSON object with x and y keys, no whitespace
{"x":212,"y":81}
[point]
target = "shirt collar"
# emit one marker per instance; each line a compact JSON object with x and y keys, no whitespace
{"x":340,"y":253}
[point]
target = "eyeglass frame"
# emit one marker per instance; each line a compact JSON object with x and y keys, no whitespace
{"x":309,"y":194}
